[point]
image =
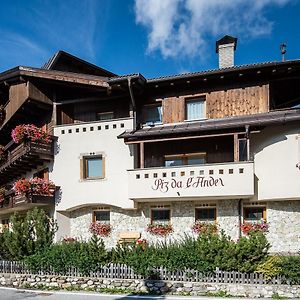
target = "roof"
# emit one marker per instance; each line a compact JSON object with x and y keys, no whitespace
{"x":256,"y":120}
{"x":228,"y":70}
{"x":54,"y":75}
{"x":64,"y":61}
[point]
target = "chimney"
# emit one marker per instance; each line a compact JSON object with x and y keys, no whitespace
{"x":226,"y":47}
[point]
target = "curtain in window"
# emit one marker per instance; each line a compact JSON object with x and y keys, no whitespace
{"x":153,"y":114}
{"x":195,"y":110}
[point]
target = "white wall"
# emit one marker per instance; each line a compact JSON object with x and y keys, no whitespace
{"x":276,"y":152}
{"x":113,"y":189}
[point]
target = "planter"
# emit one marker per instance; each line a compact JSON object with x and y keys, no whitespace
{"x":29,"y":132}
{"x":248,"y":227}
{"x":101,"y":229}
{"x":160,"y":229}
{"x":205,"y":227}
{"x":35,"y":186}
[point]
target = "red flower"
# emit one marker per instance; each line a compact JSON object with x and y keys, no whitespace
{"x":160,"y":229}
{"x":254,"y":227}
{"x":98,"y":228}
{"x":34,"y":186}
{"x":29,"y":132}
{"x":205,"y":227}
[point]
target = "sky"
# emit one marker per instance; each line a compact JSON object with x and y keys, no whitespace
{"x":152,"y":37}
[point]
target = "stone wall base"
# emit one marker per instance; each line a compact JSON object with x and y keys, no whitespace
{"x":149,"y":286}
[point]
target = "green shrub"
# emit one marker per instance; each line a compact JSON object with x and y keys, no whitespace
{"x":86,"y":256}
{"x":27,"y":234}
{"x":204,"y":254}
{"x":290,"y":266}
{"x":271,"y":267}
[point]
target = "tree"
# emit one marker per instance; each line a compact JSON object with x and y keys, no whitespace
{"x":28,"y":234}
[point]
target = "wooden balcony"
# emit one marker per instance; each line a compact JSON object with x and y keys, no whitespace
{"x":21,"y":158}
{"x":13,"y":202}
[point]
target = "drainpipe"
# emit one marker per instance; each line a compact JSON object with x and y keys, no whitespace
{"x":240,"y":217}
{"x":132,"y":102}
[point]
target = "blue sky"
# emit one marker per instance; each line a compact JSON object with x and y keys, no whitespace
{"x":153,"y":37}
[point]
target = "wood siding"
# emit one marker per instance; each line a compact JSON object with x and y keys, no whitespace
{"x":220,"y":104}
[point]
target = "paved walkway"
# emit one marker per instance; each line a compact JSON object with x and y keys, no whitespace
{"x":18,"y":294}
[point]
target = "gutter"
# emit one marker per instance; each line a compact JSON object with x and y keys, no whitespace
{"x":132,"y":102}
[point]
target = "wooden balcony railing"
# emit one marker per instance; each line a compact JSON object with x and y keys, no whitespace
{"x":12,"y":200}
{"x":21,"y":158}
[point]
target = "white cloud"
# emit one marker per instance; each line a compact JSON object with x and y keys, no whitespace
{"x":180,"y":27}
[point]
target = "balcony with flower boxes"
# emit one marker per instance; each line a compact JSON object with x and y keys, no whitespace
{"x":26,"y":194}
{"x":23,"y":154}
{"x":219,"y":180}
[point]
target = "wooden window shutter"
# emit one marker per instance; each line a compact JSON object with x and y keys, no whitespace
{"x":82,"y":172}
{"x":265,"y":214}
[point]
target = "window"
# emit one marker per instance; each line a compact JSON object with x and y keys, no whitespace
{"x":152,"y":114}
{"x":185,"y":159}
{"x":93,"y":167}
{"x":102,"y":216}
{"x":105,"y":116}
{"x":195,"y":109}
{"x":242,"y":149}
{"x":205,"y":214}
{"x":160,"y":215}
{"x":255,"y":213}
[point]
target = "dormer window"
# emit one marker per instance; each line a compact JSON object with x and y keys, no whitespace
{"x":152,"y":114}
{"x":195,"y":109}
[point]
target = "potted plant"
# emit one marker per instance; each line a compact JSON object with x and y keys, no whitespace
{"x":34,"y":186}
{"x":29,"y":132}
{"x":200,"y":227}
{"x":160,"y":229}
{"x":248,"y":227}
{"x":100,"y":228}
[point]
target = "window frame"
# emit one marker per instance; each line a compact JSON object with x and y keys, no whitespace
{"x":155,"y":222}
{"x":264,"y":213}
{"x":101,"y":210}
{"x":200,"y":98}
{"x":184,"y":158}
{"x":152,"y":105}
{"x":206,"y":208}
{"x":85,"y":159}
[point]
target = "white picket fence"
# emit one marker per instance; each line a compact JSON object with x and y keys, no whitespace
{"x":124,"y":272}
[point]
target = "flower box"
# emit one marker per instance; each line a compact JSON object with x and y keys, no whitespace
{"x":200,"y":227}
{"x":29,"y":132}
{"x":2,"y":194}
{"x":34,"y":186}
{"x":101,"y":229}
{"x":160,"y":229}
{"x":248,"y":227}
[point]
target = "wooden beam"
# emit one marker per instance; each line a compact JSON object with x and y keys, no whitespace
{"x":236,"y":147}
{"x":183,"y":138}
{"x":142,"y":156}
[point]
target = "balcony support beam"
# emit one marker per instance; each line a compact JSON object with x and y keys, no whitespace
{"x":142,"y":156}
{"x":236,"y":147}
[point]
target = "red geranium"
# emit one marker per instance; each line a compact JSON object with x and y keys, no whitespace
{"x":29,"y":132}
{"x":248,"y":227}
{"x":204,"y":227}
{"x":102,"y":229}
{"x":160,"y":229}
{"x":34,"y":186}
